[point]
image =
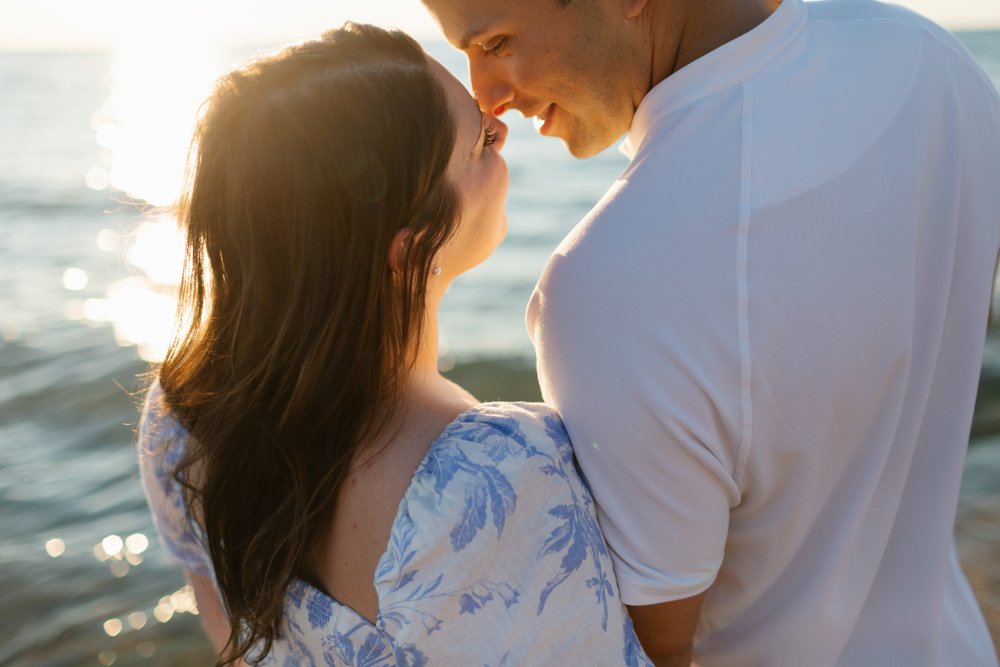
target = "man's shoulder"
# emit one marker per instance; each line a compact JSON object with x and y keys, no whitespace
{"x":861,"y":11}
{"x":870,"y":14}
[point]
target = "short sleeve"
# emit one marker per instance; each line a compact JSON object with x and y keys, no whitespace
{"x":160,"y":446}
{"x":648,"y":400}
{"x":498,"y":531}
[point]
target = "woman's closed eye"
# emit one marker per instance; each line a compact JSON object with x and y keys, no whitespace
{"x":490,"y":134}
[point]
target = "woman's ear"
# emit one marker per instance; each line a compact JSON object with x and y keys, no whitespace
{"x":397,"y":250}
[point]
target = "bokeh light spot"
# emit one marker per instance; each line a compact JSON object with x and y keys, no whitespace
{"x":446,"y":363}
{"x":107,"y":240}
{"x":137,"y":543}
{"x":182,"y":600}
{"x":98,"y":178}
{"x":74,"y":310}
{"x":75,"y":279}
{"x":157,"y":248}
{"x":112,"y":545}
{"x":113,"y":627}
{"x":55,"y":547}
{"x":163,"y":612}
{"x":137,"y":620}
{"x":95,"y":310}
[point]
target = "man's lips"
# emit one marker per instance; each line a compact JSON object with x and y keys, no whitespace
{"x":542,"y":119}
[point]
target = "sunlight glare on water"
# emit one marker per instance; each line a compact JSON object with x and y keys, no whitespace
{"x":158,"y":81}
{"x":141,"y":312}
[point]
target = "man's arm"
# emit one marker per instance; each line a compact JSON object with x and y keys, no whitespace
{"x":648,"y":388}
{"x":666,"y":630}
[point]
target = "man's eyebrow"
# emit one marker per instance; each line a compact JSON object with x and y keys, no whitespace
{"x":466,"y":40}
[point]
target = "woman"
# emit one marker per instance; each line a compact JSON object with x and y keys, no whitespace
{"x":332,"y":498}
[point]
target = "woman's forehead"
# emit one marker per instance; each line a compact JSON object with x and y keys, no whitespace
{"x":461,"y":102}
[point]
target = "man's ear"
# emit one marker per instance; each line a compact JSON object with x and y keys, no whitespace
{"x":397,"y":250}
{"x":632,"y":8}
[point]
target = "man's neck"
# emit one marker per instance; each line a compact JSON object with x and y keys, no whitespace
{"x":685,"y":30}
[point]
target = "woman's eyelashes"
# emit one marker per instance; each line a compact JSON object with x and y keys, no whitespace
{"x":490,"y":135}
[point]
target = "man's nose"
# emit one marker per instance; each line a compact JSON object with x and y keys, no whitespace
{"x":490,"y":84}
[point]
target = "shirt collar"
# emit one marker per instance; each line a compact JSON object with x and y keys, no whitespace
{"x":730,"y":64}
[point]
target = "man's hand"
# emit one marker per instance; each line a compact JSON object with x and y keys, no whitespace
{"x":666,"y":630}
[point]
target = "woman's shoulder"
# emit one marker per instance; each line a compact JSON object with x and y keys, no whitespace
{"x":159,"y":432}
{"x":492,"y":469}
{"x":160,"y":444}
{"x":493,"y":459}
{"x":502,"y":430}
{"x":532,"y":413}
{"x":161,"y":440}
{"x":497,"y":536}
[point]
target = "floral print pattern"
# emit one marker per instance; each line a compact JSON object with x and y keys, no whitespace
{"x":495,"y":557}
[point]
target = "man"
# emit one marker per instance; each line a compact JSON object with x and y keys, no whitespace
{"x":765,"y":339}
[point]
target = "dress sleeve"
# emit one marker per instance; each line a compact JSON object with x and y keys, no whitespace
{"x":497,"y":531}
{"x":161,"y":441}
{"x":645,"y":401}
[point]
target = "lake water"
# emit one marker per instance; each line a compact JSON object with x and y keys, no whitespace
{"x":85,"y":300}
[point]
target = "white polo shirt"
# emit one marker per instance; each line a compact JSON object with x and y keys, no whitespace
{"x":765,"y":339}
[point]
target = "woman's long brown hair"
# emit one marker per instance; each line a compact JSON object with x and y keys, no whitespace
{"x":297,"y":335}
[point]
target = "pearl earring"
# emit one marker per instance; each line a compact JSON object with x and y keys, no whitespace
{"x":436,"y":271}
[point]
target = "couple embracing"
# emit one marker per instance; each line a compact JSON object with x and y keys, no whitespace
{"x":759,"y":352}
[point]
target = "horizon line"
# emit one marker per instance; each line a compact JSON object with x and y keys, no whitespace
{"x":57,"y":48}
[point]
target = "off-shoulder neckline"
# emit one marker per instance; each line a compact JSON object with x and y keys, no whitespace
{"x":315,"y":592}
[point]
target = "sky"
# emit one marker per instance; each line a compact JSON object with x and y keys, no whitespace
{"x":43,"y":25}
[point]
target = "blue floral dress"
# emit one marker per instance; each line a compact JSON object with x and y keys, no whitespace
{"x":495,"y":556}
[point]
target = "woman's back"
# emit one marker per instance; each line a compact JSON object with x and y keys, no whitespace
{"x":367,"y":505}
{"x":494,"y":556}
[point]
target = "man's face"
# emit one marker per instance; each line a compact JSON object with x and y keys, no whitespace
{"x":573,"y":68}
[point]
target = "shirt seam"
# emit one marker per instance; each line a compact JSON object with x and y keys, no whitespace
{"x":742,"y":285}
{"x":692,"y":98}
{"x":969,"y":61}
